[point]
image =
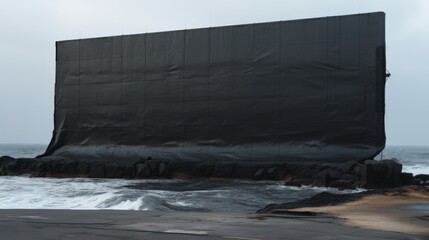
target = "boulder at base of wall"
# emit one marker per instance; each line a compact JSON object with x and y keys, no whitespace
{"x":142,"y":170}
{"x":342,"y":184}
{"x":114,"y":170}
{"x":223,"y":170}
{"x":422,"y":177}
{"x":293,"y":182}
{"x":378,"y":174}
{"x":369,"y":174}
{"x":406,"y":178}
{"x":96,"y":170}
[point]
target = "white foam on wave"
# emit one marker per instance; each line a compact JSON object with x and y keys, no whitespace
{"x":416,"y":169}
{"x":42,"y":193}
{"x":129,"y":205}
{"x":91,"y":194}
{"x":326,"y":189}
{"x":182,"y":203}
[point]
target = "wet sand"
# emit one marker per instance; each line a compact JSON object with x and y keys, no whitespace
{"x":101,"y":224}
{"x":406,"y":211}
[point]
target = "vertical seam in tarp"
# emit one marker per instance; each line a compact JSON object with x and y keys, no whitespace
{"x":184,"y":77}
{"x":145,"y":93}
{"x":340,"y":66}
{"x":253,"y":92}
{"x":326,"y":74}
{"x":210,"y":92}
{"x":359,"y":80}
{"x":279,"y":79}
{"x":79,"y":89}
{"x":122,"y":96}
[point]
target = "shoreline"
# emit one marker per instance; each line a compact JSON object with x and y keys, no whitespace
{"x":397,"y":213}
{"x":404,"y":210}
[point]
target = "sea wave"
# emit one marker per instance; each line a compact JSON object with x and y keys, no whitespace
{"x":416,"y":169}
{"x":164,"y":195}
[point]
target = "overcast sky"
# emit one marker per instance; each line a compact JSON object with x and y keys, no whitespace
{"x":30,"y":28}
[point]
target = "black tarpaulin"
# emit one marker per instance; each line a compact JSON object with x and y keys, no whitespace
{"x":308,"y":89}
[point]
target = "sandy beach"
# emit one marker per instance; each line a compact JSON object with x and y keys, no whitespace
{"x":406,"y":212}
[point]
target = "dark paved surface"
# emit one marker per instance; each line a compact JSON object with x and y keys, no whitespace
{"x":94,"y":225}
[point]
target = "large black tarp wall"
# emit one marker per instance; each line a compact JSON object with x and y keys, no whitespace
{"x":308,"y":89}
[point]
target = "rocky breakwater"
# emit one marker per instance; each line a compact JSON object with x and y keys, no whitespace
{"x":366,"y":174}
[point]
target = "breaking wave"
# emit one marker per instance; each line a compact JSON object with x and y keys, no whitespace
{"x":164,"y":195}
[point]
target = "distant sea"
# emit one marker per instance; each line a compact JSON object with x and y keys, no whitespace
{"x":23,"y":192}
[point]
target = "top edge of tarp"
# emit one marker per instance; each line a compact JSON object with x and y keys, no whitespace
{"x":223,"y":26}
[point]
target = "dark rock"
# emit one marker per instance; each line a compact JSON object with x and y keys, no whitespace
{"x":349,"y":177}
{"x":40,"y":167}
{"x":374,"y":173}
{"x":114,"y":171}
{"x":308,"y":170}
{"x":349,"y":167}
{"x":416,"y":181}
{"x":130,"y":171}
{"x":203,"y":169}
{"x":276,"y":172}
{"x":54,"y":167}
{"x":377,"y":174}
{"x":69,"y":168}
{"x":153,"y":165}
{"x":298,"y":182}
{"x":273,"y":173}
{"x":370,"y":161}
{"x":280,"y":174}
{"x":180,"y":168}
{"x":39,"y":174}
{"x":423,"y":177}
{"x":162,"y":166}
{"x":24,"y":163}
{"x":370,"y":174}
{"x":82,"y":168}
{"x":406,"y":178}
{"x":259,"y":174}
{"x":357,"y":171}
{"x":5,"y":159}
{"x":142,"y":170}
{"x":325,"y":177}
{"x":224,"y":170}
{"x":342,"y":184}
{"x":335,"y":174}
{"x":12,"y":167}
{"x":181,"y":176}
{"x":96,"y":170}
{"x":394,"y":171}
{"x":245,"y":171}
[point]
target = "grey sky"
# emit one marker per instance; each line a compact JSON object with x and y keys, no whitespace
{"x":30,"y":28}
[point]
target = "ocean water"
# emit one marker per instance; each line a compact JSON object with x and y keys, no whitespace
{"x":414,"y":159}
{"x":23,"y":192}
{"x":164,"y":195}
